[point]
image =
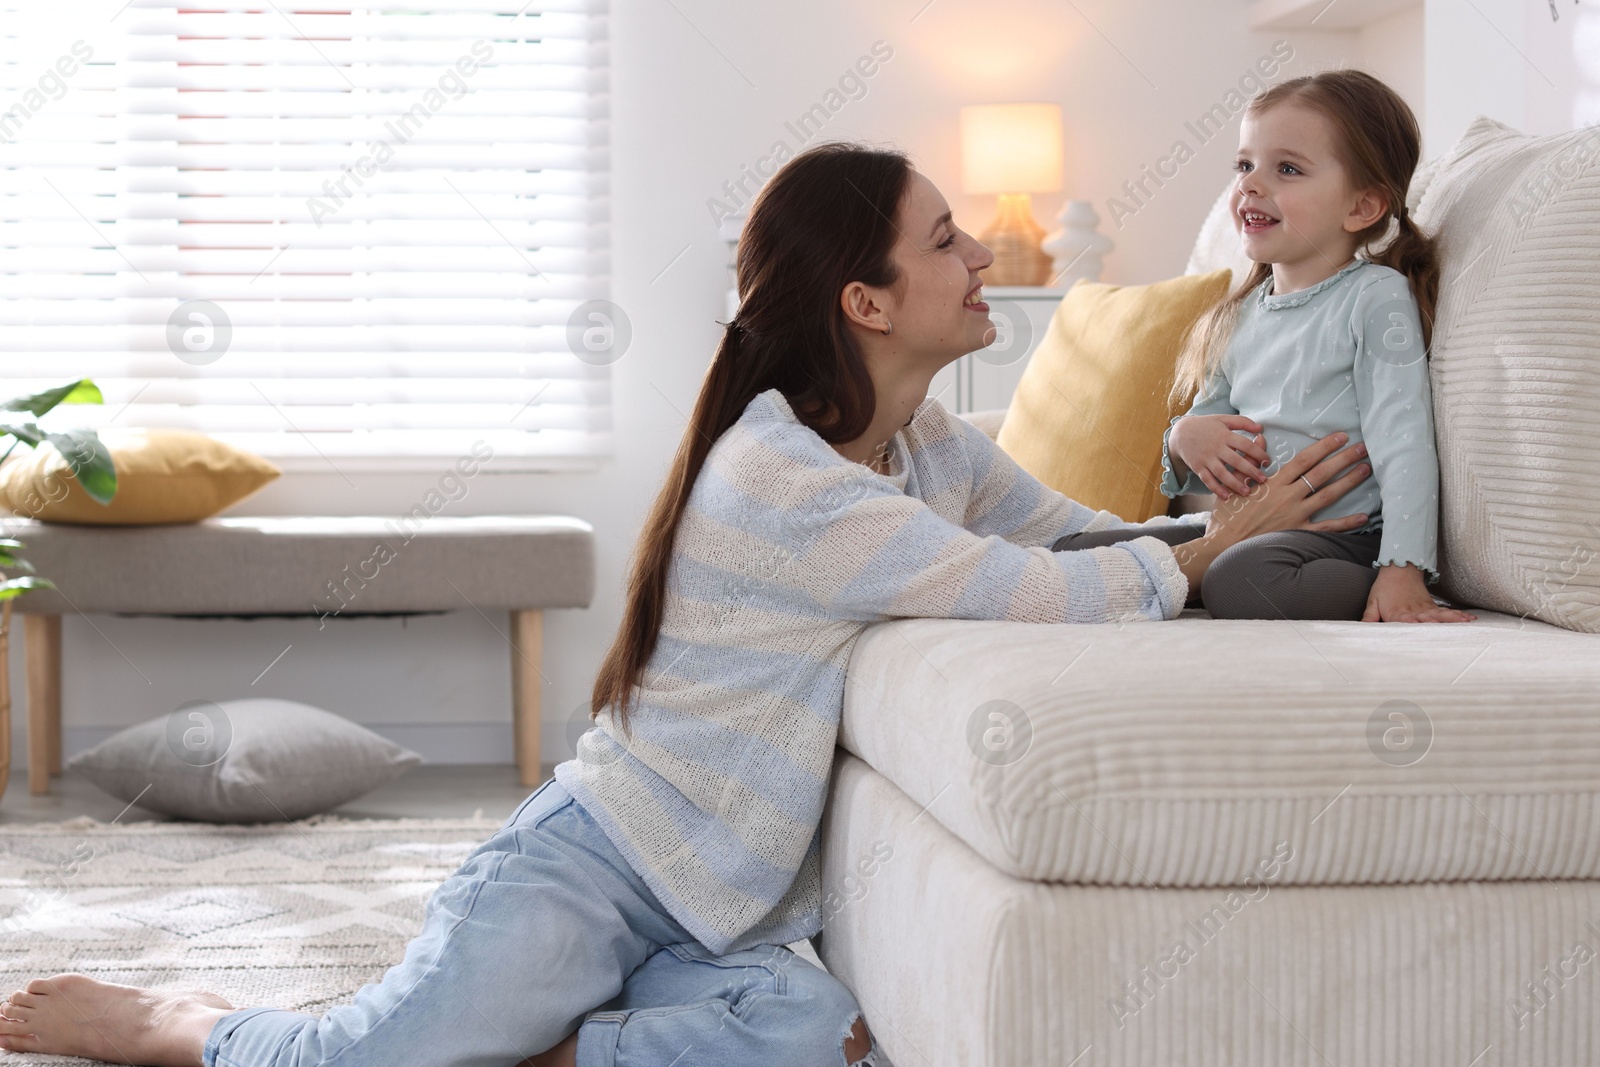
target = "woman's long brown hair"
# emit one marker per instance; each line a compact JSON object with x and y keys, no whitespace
{"x":1379,"y":144}
{"x":824,"y":220}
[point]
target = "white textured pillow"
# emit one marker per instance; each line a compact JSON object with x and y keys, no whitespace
{"x":257,"y":760}
{"x":1516,"y":371}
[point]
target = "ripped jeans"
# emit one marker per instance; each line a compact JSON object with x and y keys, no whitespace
{"x":543,"y":930}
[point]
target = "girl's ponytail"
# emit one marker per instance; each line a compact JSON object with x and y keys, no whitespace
{"x":1416,"y":255}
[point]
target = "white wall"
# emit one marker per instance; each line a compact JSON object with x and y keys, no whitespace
{"x":696,"y":96}
{"x":1510,"y":60}
{"x":1392,"y":49}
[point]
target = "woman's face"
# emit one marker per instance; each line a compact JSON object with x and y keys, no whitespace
{"x":935,"y":307}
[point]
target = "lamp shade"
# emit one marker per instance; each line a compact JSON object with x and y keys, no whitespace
{"x":1011,"y":148}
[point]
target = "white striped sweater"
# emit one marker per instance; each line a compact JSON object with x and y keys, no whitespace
{"x":785,"y":552}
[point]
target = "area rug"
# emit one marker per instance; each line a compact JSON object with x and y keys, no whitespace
{"x":293,"y":915}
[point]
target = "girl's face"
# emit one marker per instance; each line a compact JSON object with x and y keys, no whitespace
{"x":1293,"y":202}
{"x":936,"y":307}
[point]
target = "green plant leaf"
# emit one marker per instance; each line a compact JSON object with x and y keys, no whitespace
{"x":28,"y":433}
{"x":86,"y":456}
{"x":82,"y":391}
{"x":16,"y":563}
{"x":89,"y":461}
{"x":11,"y":542}
{"x":15,"y":587}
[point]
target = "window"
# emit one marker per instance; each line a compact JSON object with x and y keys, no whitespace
{"x":329,"y":235}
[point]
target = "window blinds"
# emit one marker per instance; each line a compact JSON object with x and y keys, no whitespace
{"x":325,"y":234}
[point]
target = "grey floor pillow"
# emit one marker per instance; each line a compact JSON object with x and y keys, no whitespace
{"x":258,"y":760}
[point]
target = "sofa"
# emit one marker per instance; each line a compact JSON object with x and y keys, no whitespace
{"x":1268,"y":842}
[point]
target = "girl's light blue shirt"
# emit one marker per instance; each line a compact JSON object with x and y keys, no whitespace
{"x":1344,"y":354}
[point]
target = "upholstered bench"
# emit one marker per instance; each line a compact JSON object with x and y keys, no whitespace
{"x":324,"y":567}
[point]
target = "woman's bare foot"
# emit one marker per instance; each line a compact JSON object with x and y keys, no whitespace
{"x":75,"y":1015}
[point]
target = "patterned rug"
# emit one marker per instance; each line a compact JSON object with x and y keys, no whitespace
{"x":293,"y":915}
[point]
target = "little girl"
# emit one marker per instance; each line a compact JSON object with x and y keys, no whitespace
{"x":1318,"y":339}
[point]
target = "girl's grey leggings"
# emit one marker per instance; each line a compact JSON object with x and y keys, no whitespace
{"x":1294,"y":574}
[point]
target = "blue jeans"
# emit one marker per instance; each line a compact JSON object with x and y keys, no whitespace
{"x":545,"y":929}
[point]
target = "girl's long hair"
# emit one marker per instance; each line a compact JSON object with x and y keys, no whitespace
{"x":1379,"y":144}
{"x":824,"y":220}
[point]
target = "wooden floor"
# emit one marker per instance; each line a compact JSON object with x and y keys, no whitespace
{"x":429,"y":791}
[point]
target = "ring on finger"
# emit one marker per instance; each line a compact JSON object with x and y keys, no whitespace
{"x":1309,"y":486}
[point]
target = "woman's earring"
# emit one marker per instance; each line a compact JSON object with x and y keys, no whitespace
{"x":888,"y":329}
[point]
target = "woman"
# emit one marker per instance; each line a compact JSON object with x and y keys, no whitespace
{"x":633,"y":910}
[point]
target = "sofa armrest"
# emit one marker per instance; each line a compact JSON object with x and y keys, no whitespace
{"x":988,"y":421}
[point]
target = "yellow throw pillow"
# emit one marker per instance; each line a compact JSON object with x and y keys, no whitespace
{"x":1089,"y":412}
{"x":163,"y":476}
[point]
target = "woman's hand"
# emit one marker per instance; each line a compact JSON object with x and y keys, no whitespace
{"x":1400,"y":594}
{"x":1285,"y":501}
{"x":1225,"y":461}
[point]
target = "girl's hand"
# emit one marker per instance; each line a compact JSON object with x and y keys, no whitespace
{"x":1225,"y":461}
{"x":1401,"y":595}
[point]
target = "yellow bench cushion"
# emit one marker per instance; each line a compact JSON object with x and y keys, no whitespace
{"x":163,"y":476}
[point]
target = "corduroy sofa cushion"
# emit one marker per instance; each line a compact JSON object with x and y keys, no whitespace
{"x":1516,"y":371}
{"x":959,"y":965}
{"x":1179,"y":753}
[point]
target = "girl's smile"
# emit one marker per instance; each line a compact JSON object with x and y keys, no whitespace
{"x":1255,"y":220}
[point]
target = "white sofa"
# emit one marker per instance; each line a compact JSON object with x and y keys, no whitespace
{"x":1271,"y":843}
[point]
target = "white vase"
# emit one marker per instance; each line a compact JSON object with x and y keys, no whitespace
{"x":1077,"y":250}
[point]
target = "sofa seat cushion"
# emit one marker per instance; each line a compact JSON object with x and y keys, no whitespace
{"x":958,"y":965}
{"x":1181,"y":753}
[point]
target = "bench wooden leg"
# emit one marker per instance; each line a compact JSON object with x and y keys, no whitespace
{"x":55,"y":715}
{"x":41,"y":645}
{"x":527,"y":641}
{"x":5,"y":695}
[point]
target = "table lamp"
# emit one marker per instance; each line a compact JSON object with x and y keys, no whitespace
{"x":1012,"y":150}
